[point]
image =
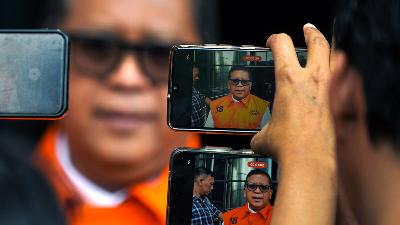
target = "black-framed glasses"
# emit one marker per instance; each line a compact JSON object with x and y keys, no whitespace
{"x":261,"y":187}
{"x":237,"y":81}
{"x":99,"y":55}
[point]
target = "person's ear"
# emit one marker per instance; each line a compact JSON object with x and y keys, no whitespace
{"x":346,"y":95}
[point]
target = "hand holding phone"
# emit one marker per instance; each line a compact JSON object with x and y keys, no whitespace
{"x":302,"y":135}
{"x":221,"y":88}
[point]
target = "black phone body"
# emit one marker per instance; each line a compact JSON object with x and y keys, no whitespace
{"x":33,"y":74}
{"x":218,"y":88}
{"x":230,"y":168}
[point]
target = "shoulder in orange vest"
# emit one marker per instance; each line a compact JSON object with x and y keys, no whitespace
{"x":244,"y":114}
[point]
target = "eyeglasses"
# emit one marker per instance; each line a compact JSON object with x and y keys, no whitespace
{"x":263,"y":188}
{"x":98,"y":56}
{"x":237,"y":81}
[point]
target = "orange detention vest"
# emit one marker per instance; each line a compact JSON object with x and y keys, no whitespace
{"x":146,"y":203}
{"x":245,"y":114}
{"x":242,"y":216}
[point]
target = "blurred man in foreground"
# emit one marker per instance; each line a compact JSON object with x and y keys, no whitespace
{"x":108,"y":158}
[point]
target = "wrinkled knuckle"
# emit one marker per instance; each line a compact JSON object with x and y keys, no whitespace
{"x":319,"y":41}
{"x":318,"y":74}
{"x":287,"y":73}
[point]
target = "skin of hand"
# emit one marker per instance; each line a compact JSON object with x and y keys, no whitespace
{"x":300,"y":134}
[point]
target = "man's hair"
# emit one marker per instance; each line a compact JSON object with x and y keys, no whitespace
{"x":241,"y":68}
{"x":204,"y":13}
{"x":258,"y":171}
{"x":202,"y":171}
{"x":368,"y":31}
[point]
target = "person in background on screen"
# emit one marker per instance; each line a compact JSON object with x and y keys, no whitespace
{"x":199,"y":102}
{"x":203,"y":211}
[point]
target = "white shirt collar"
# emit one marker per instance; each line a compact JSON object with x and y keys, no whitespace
{"x":250,"y":209}
{"x":234,"y":100}
{"x":93,"y":194}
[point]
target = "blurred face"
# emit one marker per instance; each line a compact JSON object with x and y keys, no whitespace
{"x":117,"y":112}
{"x":354,"y":153}
{"x":206,"y":185}
{"x":196,"y":73}
{"x":239,"y":84}
{"x":256,"y":196}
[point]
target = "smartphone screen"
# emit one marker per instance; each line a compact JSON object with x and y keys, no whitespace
{"x":228,"y":89}
{"x":33,"y":73}
{"x":229,"y":173}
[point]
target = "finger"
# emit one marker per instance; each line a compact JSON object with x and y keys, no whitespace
{"x":258,"y":142}
{"x":283,"y":51}
{"x":317,"y":45}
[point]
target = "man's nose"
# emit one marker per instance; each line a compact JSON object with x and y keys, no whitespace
{"x":129,"y":76}
{"x":258,"y":190}
{"x":240,"y":84}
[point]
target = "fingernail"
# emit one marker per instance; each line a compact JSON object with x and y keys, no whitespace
{"x":268,"y":40}
{"x":309,"y":25}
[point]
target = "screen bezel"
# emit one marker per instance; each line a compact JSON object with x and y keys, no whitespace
{"x":181,"y":176}
{"x":172,"y":93}
{"x":60,"y":111}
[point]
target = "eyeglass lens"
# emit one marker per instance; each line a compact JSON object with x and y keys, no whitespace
{"x":237,"y":81}
{"x":253,"y":187}
{"x":99,"y":57}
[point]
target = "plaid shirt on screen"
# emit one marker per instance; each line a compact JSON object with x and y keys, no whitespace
{"x":203,"y":211}
{"x":198,"y":116}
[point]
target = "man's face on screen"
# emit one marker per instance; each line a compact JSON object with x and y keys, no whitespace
{"x":239,"y":84}
{"x":206,"y":184}
{"x":196,"y":73}
{"x":257,"y":198}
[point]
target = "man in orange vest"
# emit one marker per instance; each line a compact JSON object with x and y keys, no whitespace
{"x":108,"y":158}
{"x":257,"y":210}
{"x":239,"y":109}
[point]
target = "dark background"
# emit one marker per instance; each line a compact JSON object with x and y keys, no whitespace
{"x":240,"y":23}
{"x":251,"y":22}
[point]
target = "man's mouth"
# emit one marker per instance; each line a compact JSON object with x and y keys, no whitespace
{"x":239,"y":91}
{"x":124,"y":121}
{"x":257,"y":199}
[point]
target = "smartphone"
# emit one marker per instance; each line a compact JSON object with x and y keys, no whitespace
{"x":33,"y":74}
{"x":230,"y":168}
{"x":219,"y":88}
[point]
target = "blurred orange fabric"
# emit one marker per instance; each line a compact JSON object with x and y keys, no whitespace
{"x":146,"y":204}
